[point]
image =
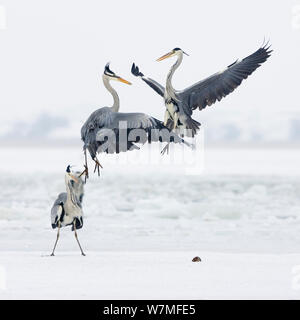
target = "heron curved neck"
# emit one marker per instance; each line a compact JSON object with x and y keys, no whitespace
{"x":169,"y":87}
{"x":116,"y":106}
{"x":71,"y":196}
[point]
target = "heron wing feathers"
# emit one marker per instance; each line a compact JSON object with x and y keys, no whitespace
{"x":98,"y":119}
{"x":56,"y":209}
{"x":102,"y":131}
{"x":150,"y":82}
{"x":208,"y":91}
{"x":154,"y":85}
{"x":134,"y":120}
{"x":133,"y":128}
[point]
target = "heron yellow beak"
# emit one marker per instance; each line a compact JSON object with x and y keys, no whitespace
{"x":74,"y":178}
{"x":123,"y":80}
{"x":168,"y":55}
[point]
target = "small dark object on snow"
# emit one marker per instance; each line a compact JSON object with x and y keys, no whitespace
{"x":196,"y":259}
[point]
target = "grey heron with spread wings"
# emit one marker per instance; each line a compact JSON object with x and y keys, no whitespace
{"x":181,"y":104}
{"x":110,"y":131}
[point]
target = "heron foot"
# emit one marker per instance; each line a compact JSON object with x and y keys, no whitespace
{"x":85,"y":172}
{"x":97,"y":166}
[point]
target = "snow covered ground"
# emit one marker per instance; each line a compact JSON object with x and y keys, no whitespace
{"x":239,"y":210}
{"x":149,"y":275}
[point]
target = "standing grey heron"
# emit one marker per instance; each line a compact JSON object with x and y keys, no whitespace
{"x":181,"y":104}
{"x":67,"y":208}
{"x":108,"y":130}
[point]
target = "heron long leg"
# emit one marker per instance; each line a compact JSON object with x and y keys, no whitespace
{"x":75,"y":232}
{"x":167,"y":147}
{"x":176,"y":118}
{"x":167,"y":117}
{"x":97,"y":166}
{"x":57,"y":237}
{"x":86,"y":169}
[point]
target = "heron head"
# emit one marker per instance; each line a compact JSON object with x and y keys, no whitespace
{"x":172,"y":53}
{"x":109,"y":74}
{"x":70,"y":175}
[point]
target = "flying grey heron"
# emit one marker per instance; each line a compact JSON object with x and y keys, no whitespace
{"x":108,"y":130}
{"x":67,"y":208}
{"x":181,"y":104}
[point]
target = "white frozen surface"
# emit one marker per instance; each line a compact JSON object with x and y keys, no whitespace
{"x":232,"y":206}
{"x":151,"y":275}
{"x":144,"y":223}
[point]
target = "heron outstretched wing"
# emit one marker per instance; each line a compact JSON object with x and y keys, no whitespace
{"x":57,"y":209}
{"x":135,"y":120}
{"x":99,"y":118}
{"x":133,"y":128}
{"x":208,"y":91}
{"x":150,"y":82}
{"x":155,"y":129}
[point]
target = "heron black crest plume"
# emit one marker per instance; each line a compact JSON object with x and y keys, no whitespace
{"x":107,"y":70}
{"x":179,"y":49}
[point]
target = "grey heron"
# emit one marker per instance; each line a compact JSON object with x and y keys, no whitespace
{"x":67,"y":208}
{"x":108,"y":130}
{"x":181,"y":104}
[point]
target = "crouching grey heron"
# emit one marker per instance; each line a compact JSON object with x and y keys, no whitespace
{"x":67,"y":208}
{"x":181,"y":104}
{"x":108,"y":130}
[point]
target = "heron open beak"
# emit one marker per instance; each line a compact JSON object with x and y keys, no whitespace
{"x":123,"y":80}
{"x":168,"y":55}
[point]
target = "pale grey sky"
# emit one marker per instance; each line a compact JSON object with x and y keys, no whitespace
{"x":53,"y":53}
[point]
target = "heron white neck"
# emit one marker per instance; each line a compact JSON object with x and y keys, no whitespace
{"x":169,"y":87}
{"x":116,"y":106}
{"x":71,"y":196}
